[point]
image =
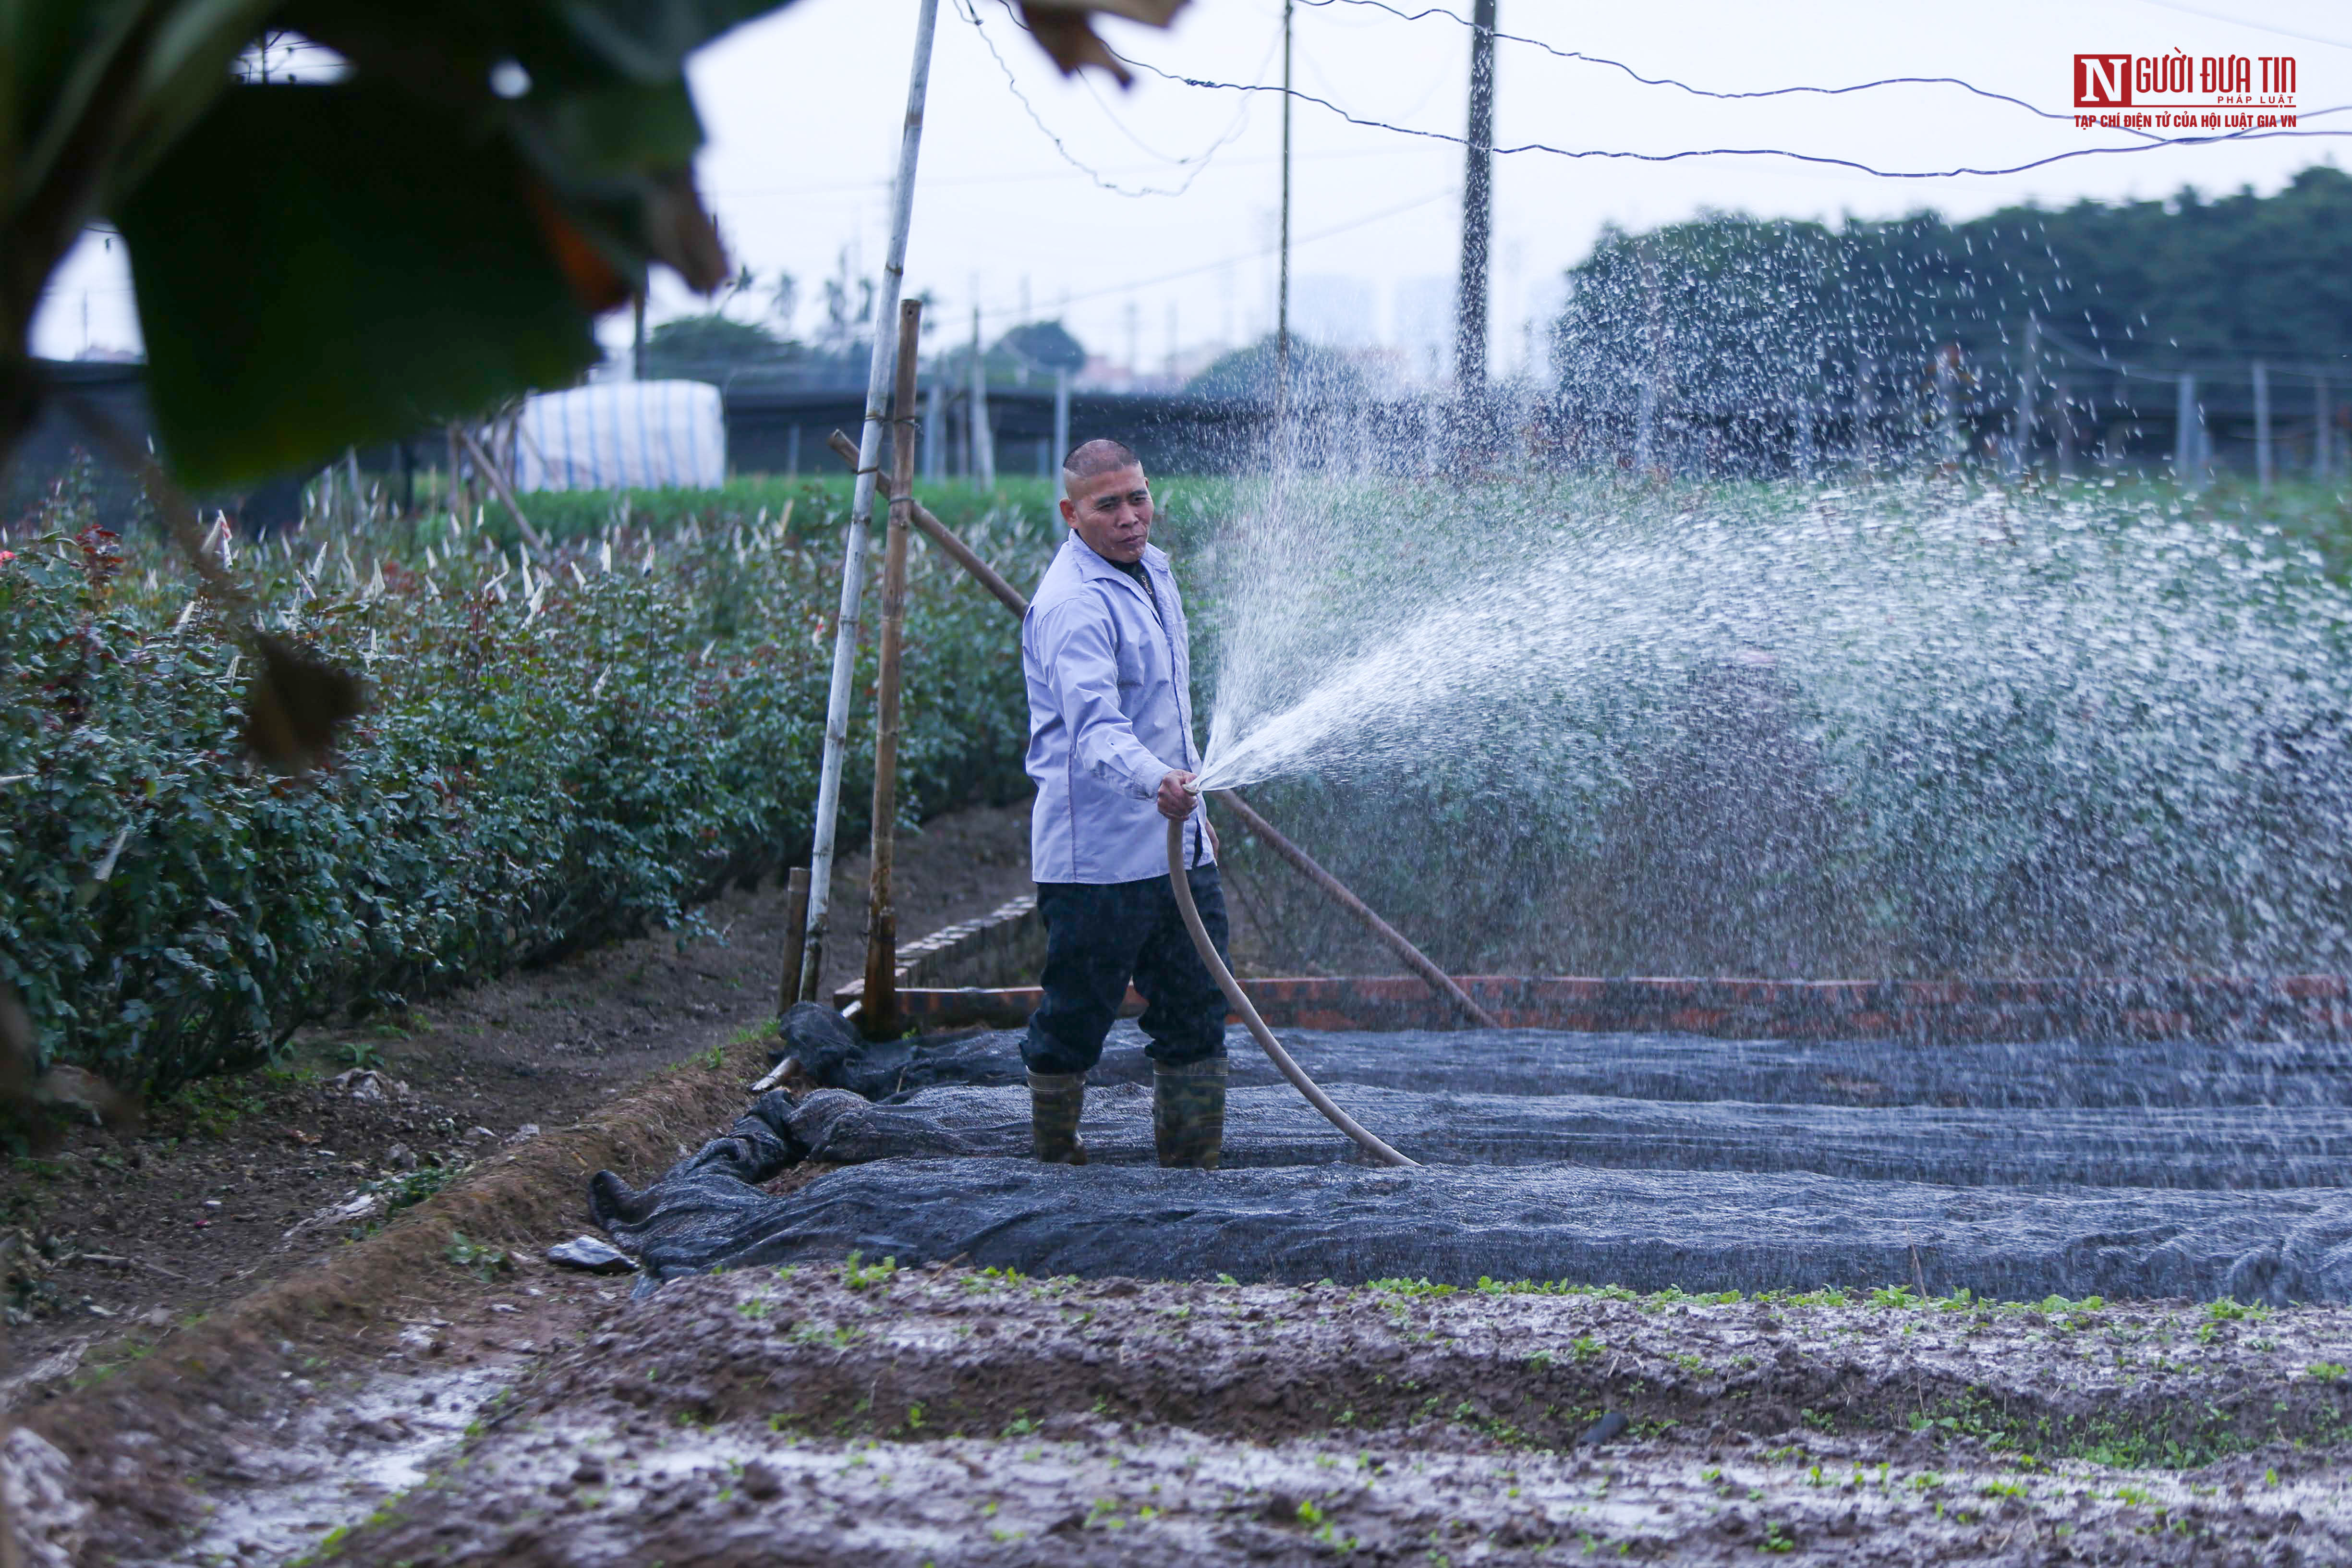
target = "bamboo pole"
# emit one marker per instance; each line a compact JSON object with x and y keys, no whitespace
{"x":788,"y":983}
{"x":878,"y":1012}
{"x":1417,"y":960}
{"x":861,"y":506}
{"x":498,"y":482}
{"x":945,"y":539}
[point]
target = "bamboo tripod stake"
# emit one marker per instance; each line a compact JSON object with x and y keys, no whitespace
{"x":945,"y":538}
{"x":498,"y":482}
{"x":878,"y":1013}
{"x":788,"y":985}
{"x":861,"y":510}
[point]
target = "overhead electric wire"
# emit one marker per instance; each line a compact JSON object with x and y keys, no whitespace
{"x":735,"y":192}
{"x":1578,"y":55}
{"x":992,"y":312}
{"x":2151,"y":140}
{"x":1197,"y":162}
{"x":1855,"y":164}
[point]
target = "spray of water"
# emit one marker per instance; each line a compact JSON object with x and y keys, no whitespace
{"x":2078,"y":721}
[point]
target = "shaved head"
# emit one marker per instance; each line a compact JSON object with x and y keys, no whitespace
{"x":1106,"y":497}
{"x":1094,"y":459}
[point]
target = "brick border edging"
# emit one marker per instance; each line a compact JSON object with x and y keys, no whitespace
{"x":953,"y":951}
{"x":2288,"y":1007}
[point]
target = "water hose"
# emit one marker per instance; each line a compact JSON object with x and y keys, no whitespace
{"x":1239,"y":1003}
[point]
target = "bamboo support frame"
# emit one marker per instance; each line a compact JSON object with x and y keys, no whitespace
{"x":878,"y":1012}
{"x":498,"y":482}
{"x":945,"y":538}
{"x":861,"y":506}
{"x":788,"y":983}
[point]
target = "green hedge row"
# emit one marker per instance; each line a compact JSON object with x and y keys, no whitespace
{"x":547,"y":760}
{"x":815,"y":504}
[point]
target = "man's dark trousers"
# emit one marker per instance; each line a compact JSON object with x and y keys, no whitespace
{"x":1098,"y":937}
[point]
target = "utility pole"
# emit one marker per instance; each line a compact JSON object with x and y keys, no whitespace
{"x":880,"y":370}
{"x":935,"y":431}
{"x":2323,"y":435}
{"x":2184,"y":435}
{"x":984,"y":442}
{"x":1061,"y":415}
{"x":2021,"y":430}
{"x":637,"y":337}
{"x":1645,"y":418}
{"x":1477,"y":208}
{"x":1948,"y":400}
{"x":1865,"y":411}
{"x":2262,"y":426}
{"x":1281,"y":284}
{"x":2061,"y":426}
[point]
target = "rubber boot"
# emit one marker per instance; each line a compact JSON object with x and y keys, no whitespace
{"x":1188,"y":1113}
{"x":1055,"y":1099}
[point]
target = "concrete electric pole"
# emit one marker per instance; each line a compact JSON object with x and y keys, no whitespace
{"x":1282,"y":286}
{"x":1477,"y":207}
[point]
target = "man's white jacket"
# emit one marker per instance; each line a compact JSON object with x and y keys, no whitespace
{"x":1111,"y":713}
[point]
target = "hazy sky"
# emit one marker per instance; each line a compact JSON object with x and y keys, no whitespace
{"x":802,"y":113}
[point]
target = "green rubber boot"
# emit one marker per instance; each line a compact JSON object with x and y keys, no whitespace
{"x":1188,"y":1113}
{"x":1055,"y":1099}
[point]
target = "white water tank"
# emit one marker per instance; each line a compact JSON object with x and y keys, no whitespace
{"x":622,"y":435}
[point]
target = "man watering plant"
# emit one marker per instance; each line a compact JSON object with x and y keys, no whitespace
{"x":1108,"y":666}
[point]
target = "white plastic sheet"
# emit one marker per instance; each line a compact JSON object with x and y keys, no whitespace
{"x":629,"y":434}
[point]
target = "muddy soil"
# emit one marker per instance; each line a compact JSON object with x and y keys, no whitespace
{"x":857,"y":1413}
{"x":434,"y":1390}
{"x":113,"y":1244}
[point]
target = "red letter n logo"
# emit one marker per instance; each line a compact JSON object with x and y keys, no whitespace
{"x":2103,"y":82}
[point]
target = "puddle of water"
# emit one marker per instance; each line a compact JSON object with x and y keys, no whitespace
{"x":623,"y":1498}
{"x":335,"y":1458}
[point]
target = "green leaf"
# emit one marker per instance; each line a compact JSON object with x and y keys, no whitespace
{"x":53,"y":56}
{"x":187,"y":65}
{"x":613,"y":132}
{"x":570,"y":41}
{"x":650,"y":42}
{"x":323,"y":266}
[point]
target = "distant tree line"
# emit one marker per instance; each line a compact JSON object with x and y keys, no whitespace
{"x":1730,"y":319}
